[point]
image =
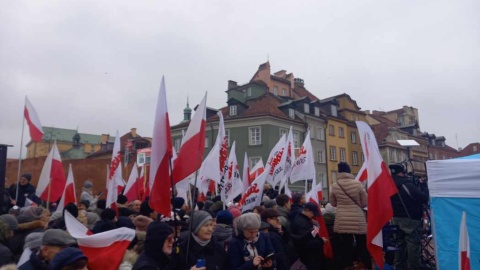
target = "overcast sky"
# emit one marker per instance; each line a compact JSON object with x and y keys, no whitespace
{"x":98,"y":64}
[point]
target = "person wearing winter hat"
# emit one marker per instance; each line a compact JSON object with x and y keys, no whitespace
{"x":250,"y":248}
{"x":141,"y":223}
{"x":69,"y":258}
{"x":10,"y":220}
{"x":87,"y":195}
{"x":278,"y":237}
{"x":224,"y":230}
{"x":158,"y":247}
{"x":83,"y":205}
{"x":107,"y":222}
{"x":25,"y":190}
{"x":298,"y":201}
{"x":6,"y":255}
{"x":200,"y":246}
{"x":145,"y":210}
{"x":349,"y":197}
{"x":270,"y":204}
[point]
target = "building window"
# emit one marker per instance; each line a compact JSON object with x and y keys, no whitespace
{"x":321,"y":156}
{"x":354,"y":137}
{"x":284,"y":92}
{"x":323,"y":180}
{"x":474,"y":148}
{"x":342,"y":155}
{"x":283,"y":131}
{"x":177,"y":143}
{"x":275,"y":91}
{"x":362,"y":157}
{"x":392,"y":154}
{"x":355,"y":158}
{"x":431,"y":155}
{"x":252,"y":161}
{"x":341,"y":134}
{"x":233,"y":110}
{"x":399,"y":156}
{"x":255,"y":136}
{"x":334,"y":110}
{"x":320,"y":134}
{"x":296,"y":139}
{"x":333,"y":153}
{"x":306,"y":108}
{"x":317,"y":111}
{"x":206,"y":142}
{"x":227,"y":136}
{"x":331,"y":130}
{"x":249,"y":92}
{"x":291,"y":113}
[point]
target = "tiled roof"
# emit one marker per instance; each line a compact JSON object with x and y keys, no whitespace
{"x":302,"y":92}
{"x":66,"y":135}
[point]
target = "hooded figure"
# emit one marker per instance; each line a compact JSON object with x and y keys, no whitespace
{"x":158,"y":246}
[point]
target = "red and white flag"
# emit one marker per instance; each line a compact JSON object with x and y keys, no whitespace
{"x":232,"y":185}
{"x":276,"y":162}
{"x":212,"y":166}
{"x":52,"y":178}
{"x":380,"y":188}
{"x":464,"y":245}
{"x":29,"y":202}
{"x":104,"y":250}
{"x":69,"y":195}
{"x":304,"y":166}
{"x":362,"y":173}
{"x":253,"y":196}
{"x":115,"y":177}
{"x":245,"y":173}
{"x":255,"y":172}
{"x":193,"y":145}
{"x":316,"y":194}
{"x":134,"y":185}
{"x":289,"y":158}
{"x":34,"y":125}
{"x":160,"y":184}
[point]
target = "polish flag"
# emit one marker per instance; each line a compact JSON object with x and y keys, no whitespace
{"x":315,"y":195}
{"x":29,"y":202}
{"x":257,"y":169}
{"x":289,"y":158}
{"x":276,"y":162}
{"x":104,"y":250}
{"x":380,"y":188}
{"x":464,"y":245}
{"x":134,"y":184}
{"x":34,"y":125}
{"x":362,"y":174}
{"x":52,"y":178}
{"x":160,"y":184}
{"x":141,"y":184}
{"x":232,"y":185}
{"x":211,"y":171}
{"x":193,"y":145}
{"x":304,"y":166}
{"x":253,"y":196}
{"x":69,"y":195}
{"x":115,"y":176}
{"x":245,"y":173}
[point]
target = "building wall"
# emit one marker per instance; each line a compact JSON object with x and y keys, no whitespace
{"x":41,"y":149}
{"x":337,"y":142}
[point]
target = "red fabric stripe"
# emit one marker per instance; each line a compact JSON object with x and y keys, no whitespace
{"x":69,"y":194}
{"x":465,"y":261}
{"x":190,"y":157}
{"x":105,"y":258}
{"x":57,"y":182}
{"x":160,"y":197}
{"x":35,"y":133}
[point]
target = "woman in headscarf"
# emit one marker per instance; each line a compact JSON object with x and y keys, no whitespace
{"x":250,"y":249}
{"x":203,"y":252}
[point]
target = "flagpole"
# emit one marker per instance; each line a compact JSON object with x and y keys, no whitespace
{"x":48,"y":196}
{"x":171,"y":199}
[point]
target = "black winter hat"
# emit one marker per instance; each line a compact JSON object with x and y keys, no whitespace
{"x":108,"y":214}
{"x":343,"y":167}
{"x":157,"y":233}
{"x":145,"y":209}
{"x":27,"y":176}
{"x":122,"y":199}
{"x":396,"y":168}
{"x":65,"y":257}
{"x":178,"y":202}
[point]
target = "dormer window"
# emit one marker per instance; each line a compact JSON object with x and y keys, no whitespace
{"x":291,"y":113}
{"x":317,"y":111}
{"x":233,"y":110}
{"x":284,"y":92}
{"x":306,"y":108}
{"x":275,"y":90}
{"x":249,"y":92}
{"x":333,"y":109}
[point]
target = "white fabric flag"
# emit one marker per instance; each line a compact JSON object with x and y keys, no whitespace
{"x":253,"y":196}
{"x":233,"y":185}
{"x":276,"y":163}
{"x":115,"y":177}
{"x":289,"y":158}
{"x":304,"y":167}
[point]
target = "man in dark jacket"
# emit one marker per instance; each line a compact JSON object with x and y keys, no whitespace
{"x":407,"y":213}
{"x":278,"y":238}
{"x":25,"y":190}
{"x":298,"y":201}
{"x":305,"y":234}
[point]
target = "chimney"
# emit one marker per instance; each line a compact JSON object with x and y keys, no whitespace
{"x":232,"y":84}
{"x":133,"y":132}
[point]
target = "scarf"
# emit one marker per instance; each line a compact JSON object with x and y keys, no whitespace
{"x":199,"y":241}
{"x":249,"y":250}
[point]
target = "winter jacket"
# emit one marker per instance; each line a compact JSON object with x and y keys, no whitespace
{"x":284,"y":220}
{"x":35,"y":263}
{"x":413,"y":199}
{"x":6,"y":255}
{"x":223,"y":233}
{"x":294,"y":210}
{"x":86,"y":195}
{"x":17,"y":242}
{"x":350,"y":216}
{"x":236,"y":251}
{"x":308,"y":247}
{"x":281,"y":247}
{"x":26,"y":191}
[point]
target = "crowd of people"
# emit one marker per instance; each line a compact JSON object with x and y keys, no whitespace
{"x":282,"y":233}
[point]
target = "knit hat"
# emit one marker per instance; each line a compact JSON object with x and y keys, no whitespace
{"x":33,"y":240}
{"x":27,"y":176}
{"x":343,"y":167}
{"x":88,"y":184}
{"x":122,"y":199}
{"x":224,"y":217}
{"x":108,"y":214}
{"x":10,"y":220}
{"x":85,"y":202}
{"x":217,"y":206}
{"x":198,"y":219}
{"x":396,"y":168}
{"x":125,"y":222}
{"x":92,"y":219}
{"x":65,"y":257}
{"x":249,"y":221}
{"x":207,"y":205}
{"x":178,"y":202}
{"x":296,"y":197}
{"x":270,"y":203}
{"x":29,"y":213}
{"x":142,"y":222}
{"x":72,"y":209}
{"x":157,"y":232}
{"x":269,"y":213}
{"x":236,"y":212}
{"x":57,"y":237}
{"x":145,"y":209}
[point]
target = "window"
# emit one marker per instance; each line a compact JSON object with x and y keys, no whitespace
{"x":341,"y":134}
{"x":334,"y":110}
{"x":284,"y":92}
{"x":474,"y":148}
{"x":291,"y":113}
{"x":392,"y":154}
{"x":354,"y":137}
{"x":177,"y":143}
{"x":333,"y":153}
{"x":362,"y":157}
{"x":206,"y":142}
{"x":283,"y":131}
{"x":321,"y":156}
{"x":331,"y":130}
{"x":431,"y":155}
{"x":342,"y":155}
{"x":252,"y":161}
{"x":323,"y":180}
{"x":249,"y":92}
{"x":320,"y":134}
{"x":233,"y":110}
{"x":255,"y":136}
{"x":317,"y":111}
{"x":296,"y":139}
{"x":227,"y":136}
{"x":354,"y":158}
{"x":399,"y":156}
{"x":275,"y":91}
{"x":306,"y":108}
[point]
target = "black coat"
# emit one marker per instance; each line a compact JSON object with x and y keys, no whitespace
{"x":35,"y":263}
{"x":236,"y":251}
{"x":281,"y":247}
{"x":26,"y":191}
{"x":413,"y":199}
{"x":6,"y":255}
{"x":214,"y":255}
{"x":308,"y":247}
{"x":145,"y":262}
